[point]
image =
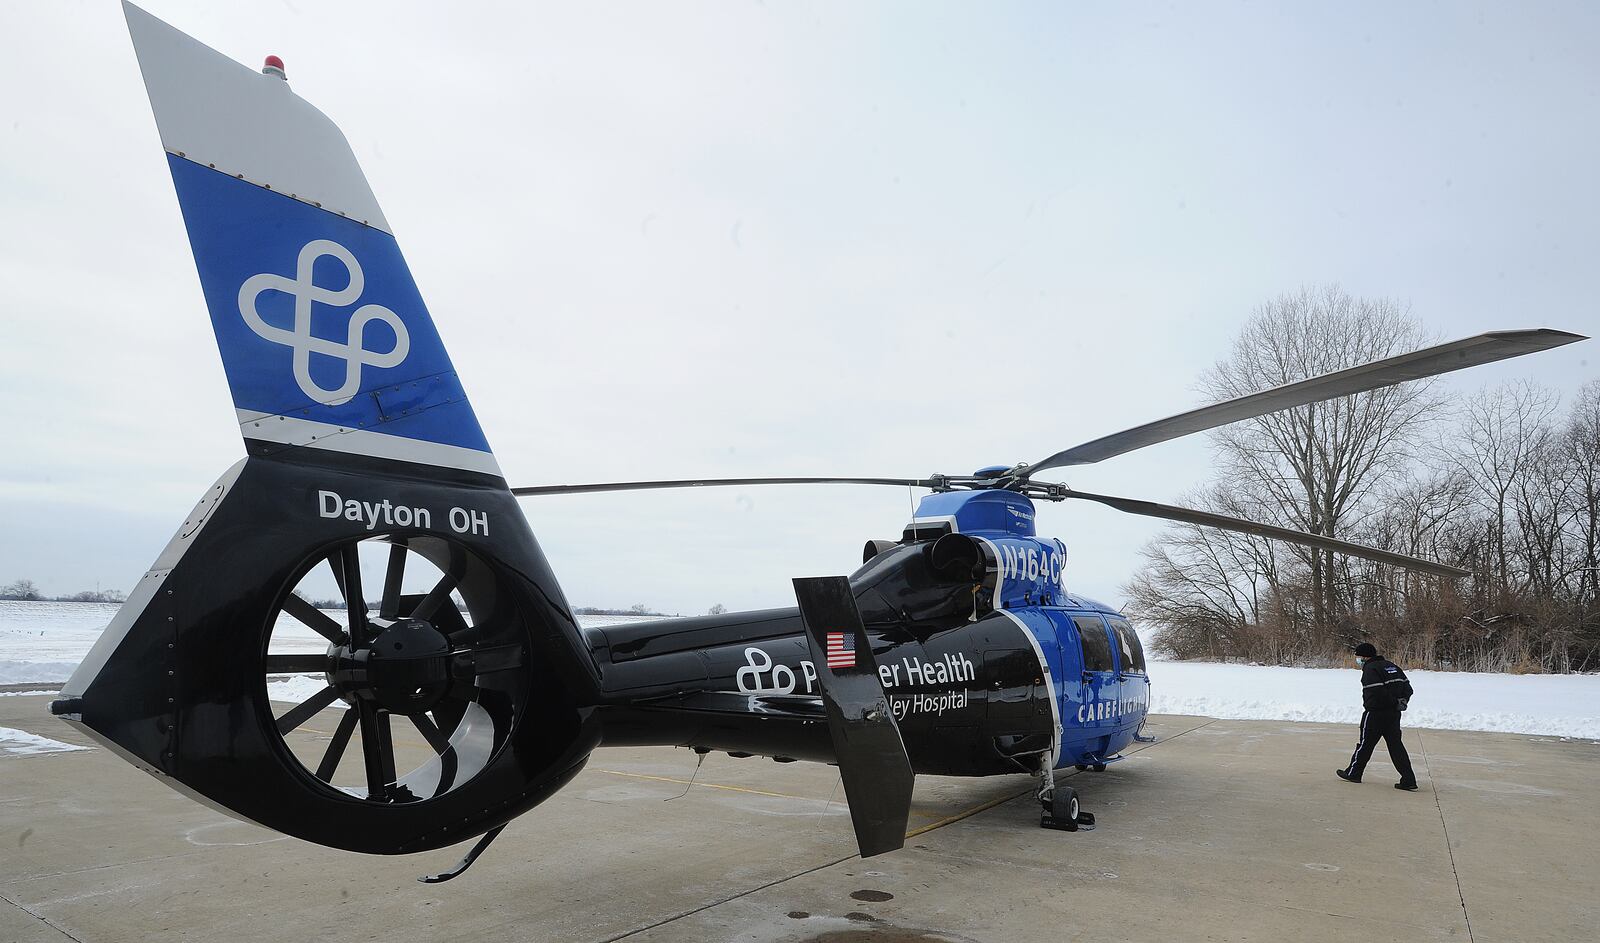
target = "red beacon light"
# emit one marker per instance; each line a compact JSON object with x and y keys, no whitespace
{"x":274,"y":66}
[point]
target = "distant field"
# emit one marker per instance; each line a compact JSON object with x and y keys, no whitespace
{"x":44,"y":641}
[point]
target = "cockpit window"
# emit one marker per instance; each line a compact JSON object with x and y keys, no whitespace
{"x":1128,"y":641}
{"x":1096,"y":647}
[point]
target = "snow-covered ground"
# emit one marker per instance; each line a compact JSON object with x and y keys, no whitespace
{"x":1552,"y":705}
{"x":21,"y":743}
{"x":43,"y":642}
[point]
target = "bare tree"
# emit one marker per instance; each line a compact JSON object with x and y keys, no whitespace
{"x":1209,"y":593}
{"x":1314,"y":466}
{"x":1579,"y":579}
{"x":21,"y":590}
{"x":1580,"y":441}
{"x":1503,"y":431}
{"x":1511,"y":492}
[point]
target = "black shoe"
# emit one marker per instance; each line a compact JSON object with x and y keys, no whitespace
{"x":1346,"y":776}
{"x":1408,"y":787}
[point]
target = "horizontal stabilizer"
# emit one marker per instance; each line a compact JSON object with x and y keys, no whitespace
{"x":872,"y":758}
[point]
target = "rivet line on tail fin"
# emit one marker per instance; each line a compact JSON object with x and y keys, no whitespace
{"x":286,"y":432}
{"x":278,"y":190}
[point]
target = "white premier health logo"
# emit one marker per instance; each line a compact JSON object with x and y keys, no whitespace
{"x":301,"y":340}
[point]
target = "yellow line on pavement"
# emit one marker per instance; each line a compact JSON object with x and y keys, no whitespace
{"x":687,"y":782}
{"x":708,"y":785}
{"x":983,"y":807}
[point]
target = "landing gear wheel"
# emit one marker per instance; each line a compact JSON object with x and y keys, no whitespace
{"x":1099,"y":767}
{"x":1063,"y":813}
{"x":447,"y":661}
{"x":1064,"y":805}
{"x":1080,"y":767}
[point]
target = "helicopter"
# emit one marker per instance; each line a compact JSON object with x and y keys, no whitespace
{"x":955,"y":648}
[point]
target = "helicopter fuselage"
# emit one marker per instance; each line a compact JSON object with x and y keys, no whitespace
{"x":988,"y":663}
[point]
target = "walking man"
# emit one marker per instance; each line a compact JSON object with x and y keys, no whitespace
{"x":1384,"y":692}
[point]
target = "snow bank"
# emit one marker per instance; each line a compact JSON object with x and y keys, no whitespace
{"x":29,"y":672}
{"x":1551,"y":705}
{"x":15,"y":742}
{"x":295,"y":688}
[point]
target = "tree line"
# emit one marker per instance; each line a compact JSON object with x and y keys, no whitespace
{"x":28,"y":591}
{"x":1504,"y":482}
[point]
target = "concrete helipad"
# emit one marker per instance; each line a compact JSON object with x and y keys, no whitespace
{"x":1222,"y":830}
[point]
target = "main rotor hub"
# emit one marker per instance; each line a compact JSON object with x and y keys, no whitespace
{"x":1013,"y":478}
{"x":403,"y":667}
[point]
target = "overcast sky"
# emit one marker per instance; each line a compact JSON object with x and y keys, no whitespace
{"x":738,"y":239}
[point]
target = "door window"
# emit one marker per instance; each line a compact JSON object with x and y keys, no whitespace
{"x":1096,"y":646}
{"x":1128,"y":641}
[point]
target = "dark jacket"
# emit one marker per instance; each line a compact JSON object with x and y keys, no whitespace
{"x":1383,"y":685}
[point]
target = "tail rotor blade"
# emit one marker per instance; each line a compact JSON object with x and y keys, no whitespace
{"x":436,"y":597}
{"x":377,"y":750}
{"x":393,"y":577}
{"x":341,"y":739}
{"x":307,"y":709}
{"x":314,"y":618}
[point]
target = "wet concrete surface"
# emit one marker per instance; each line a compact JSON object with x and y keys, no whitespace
{"x":1222,"y":830}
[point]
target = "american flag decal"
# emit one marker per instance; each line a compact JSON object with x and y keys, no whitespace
{"x":841,"y":650}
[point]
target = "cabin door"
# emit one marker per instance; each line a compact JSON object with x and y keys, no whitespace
{"x":1097,"y":707}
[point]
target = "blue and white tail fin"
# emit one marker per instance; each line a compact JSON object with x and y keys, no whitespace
{"x":324,"y":337}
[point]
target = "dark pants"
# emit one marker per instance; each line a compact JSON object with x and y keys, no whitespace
{"x":1384,"y":724}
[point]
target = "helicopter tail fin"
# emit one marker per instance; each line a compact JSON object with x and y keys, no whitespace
{"x":451,"y":673}
{"x":325,"y":339}
{"x":872,"y":757}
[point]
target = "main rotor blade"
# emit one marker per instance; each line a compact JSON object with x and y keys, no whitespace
{"x":1223,"y":522}
{"x":721,"y":482}
{"x":1430,"y":361}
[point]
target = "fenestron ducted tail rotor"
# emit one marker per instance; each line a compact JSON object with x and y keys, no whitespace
{"x":1390,"y":371}
{"x":423,"y":681}
{"x":447,"y":691}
